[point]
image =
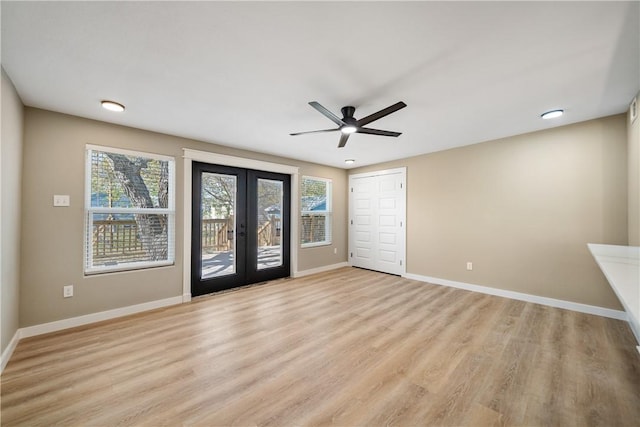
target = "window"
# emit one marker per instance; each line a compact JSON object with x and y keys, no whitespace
{"x":130,"y":210}
{"x":315,"y":212}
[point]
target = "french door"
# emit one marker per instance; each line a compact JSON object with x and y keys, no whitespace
{"x":240,"y":227}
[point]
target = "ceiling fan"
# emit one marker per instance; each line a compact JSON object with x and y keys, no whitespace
{"x":349,"y":124}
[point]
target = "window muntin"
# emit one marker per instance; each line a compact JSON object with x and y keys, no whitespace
{"x":315,"y":212}
{"x":129,"y":210}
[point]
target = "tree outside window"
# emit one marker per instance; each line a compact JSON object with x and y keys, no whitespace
{"x":130,"y":210}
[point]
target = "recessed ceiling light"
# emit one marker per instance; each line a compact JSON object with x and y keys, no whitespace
{"x":112,"y":106}
{"x":349,"y":161}
{"x":552,"y":114}
{"x":348,"y":129}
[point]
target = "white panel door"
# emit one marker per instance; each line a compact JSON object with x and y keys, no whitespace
{"x":377,"y":204}
{"x":362,"y":223}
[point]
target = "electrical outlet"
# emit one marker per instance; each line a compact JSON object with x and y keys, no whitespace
{"x":469,"y":266}
{"x":335,"y":251}
{"x":67,"y":291}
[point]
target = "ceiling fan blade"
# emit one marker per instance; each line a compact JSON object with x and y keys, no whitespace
{"x":380,"y":114}
{"x":328,"y":114}
{"x":314,"y":131}
{"x":378,"y":132}
{"x":343,"y":140}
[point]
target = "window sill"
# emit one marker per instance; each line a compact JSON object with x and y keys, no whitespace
{"x":314,"y":245}
{"x":127,"y":268}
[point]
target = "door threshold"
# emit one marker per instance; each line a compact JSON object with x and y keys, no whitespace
{"x":240,"y":288}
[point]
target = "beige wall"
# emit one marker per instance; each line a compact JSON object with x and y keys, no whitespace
{"x":10,"y":183}
{"x":52,"y":248}
{"x":522,"y":209}
{"x":633,"y":148}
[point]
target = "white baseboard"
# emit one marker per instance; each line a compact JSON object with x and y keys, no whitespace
{"x":320,"y":269}
{"x":72,"y":322}
{"x":551,"y":302}
{"x":6,"y":354}
{"x":635,"y":326}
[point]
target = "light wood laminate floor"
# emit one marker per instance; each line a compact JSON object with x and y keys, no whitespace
{"x":347,"y":347}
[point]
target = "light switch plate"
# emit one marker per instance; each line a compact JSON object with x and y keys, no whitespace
{"x":61,"y":200}
{"x":67,"y":291}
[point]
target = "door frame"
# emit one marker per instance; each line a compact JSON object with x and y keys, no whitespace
{"x":403,"y":211}
{"x":190,"y":156}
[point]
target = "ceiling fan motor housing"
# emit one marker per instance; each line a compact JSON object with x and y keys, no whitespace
{"x":350,"y":123}
{"x":348,"y":112}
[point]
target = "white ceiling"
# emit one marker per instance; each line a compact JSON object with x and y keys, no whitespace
{"x":241,"y":73}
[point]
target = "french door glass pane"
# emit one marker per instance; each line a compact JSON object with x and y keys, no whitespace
{"x":270,"y":196}
{"x":218,"y":238}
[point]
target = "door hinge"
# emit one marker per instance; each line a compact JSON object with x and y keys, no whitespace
{"x":351,"y":255}
{"x":352,"y":189}
{"x":400,"y":223}
{"x":400,"y":185}
{"x":400,"y":262}
{"x":351,"y":222}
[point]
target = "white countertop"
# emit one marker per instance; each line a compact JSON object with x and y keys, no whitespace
{"x":621,"y":267}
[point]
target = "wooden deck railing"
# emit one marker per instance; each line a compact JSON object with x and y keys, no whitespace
{"x":217,"y":234}
{"x":118,"y":239}
{"x":313,"y":228}
{"x":269,"y":233}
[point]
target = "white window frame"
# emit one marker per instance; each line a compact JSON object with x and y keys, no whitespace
{"x":170,"y":211}
{"x":328,"y":213}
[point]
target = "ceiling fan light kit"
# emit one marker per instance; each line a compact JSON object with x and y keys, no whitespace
{"x":349,"y":124}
